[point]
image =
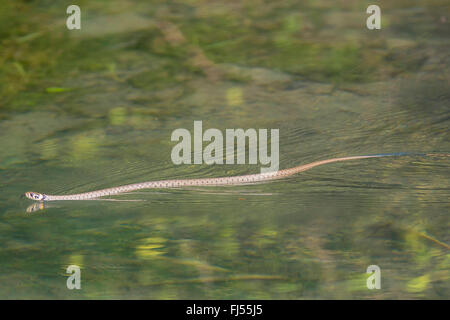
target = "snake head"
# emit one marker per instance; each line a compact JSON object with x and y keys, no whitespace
{"x":35,"y":196}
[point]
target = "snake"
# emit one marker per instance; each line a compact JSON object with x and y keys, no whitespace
{"x":220,"y":181}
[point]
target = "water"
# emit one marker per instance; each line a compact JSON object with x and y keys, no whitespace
{"x":95,"y":108}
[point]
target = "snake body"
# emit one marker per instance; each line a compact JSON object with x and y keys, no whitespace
{"x":176,"y":183}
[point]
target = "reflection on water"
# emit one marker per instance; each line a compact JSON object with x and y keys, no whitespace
{"x":99,"y":111}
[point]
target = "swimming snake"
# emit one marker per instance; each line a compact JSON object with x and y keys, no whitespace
{"x":233,"y":180}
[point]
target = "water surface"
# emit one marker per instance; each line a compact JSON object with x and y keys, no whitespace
{"x":94,"y":108}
